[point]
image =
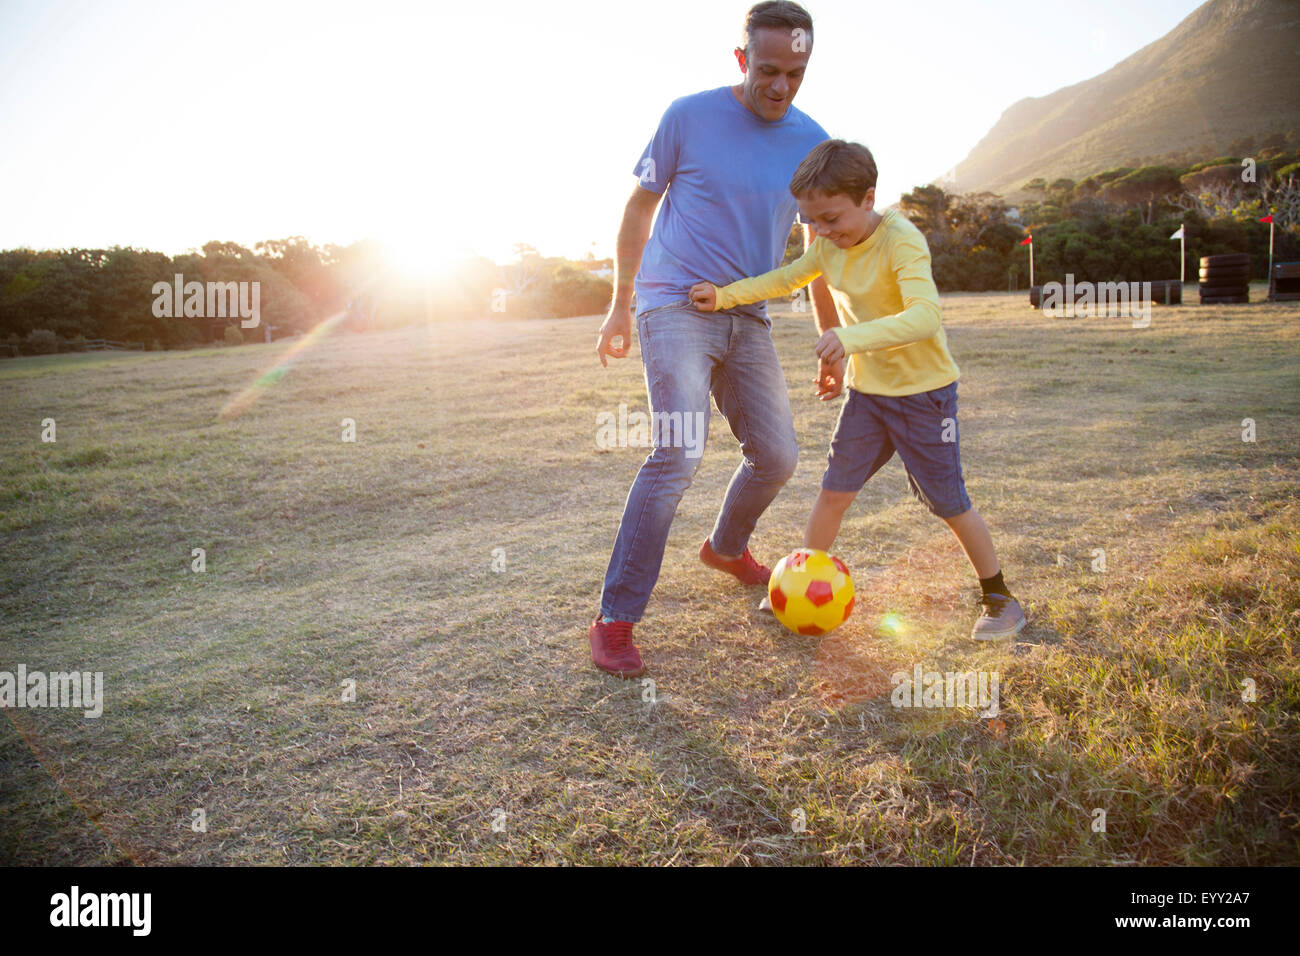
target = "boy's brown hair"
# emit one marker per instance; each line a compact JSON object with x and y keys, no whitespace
{"x":836,"y":168}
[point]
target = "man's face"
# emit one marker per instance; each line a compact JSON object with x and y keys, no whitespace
{"x":838,"y":218}
{"x":773,"y":68}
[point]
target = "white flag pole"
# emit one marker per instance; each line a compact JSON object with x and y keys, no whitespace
{"x":1182,"y":254}
{"x":1031,"y":259}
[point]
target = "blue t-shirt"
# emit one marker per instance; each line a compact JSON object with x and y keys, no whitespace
{"x":729,"y":210}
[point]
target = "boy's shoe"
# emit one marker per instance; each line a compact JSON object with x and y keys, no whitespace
{"x":612,"y":649}
{"x":766,"y":604}
{"x":1000,"y":617}
{"x":745,"y":568}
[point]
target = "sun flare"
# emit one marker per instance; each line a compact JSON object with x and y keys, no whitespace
{"x":421,"y":253}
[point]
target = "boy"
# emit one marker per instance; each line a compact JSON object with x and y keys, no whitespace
{"x":903,"y":381}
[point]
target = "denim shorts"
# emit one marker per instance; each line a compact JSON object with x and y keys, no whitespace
{"x":922,"y":428}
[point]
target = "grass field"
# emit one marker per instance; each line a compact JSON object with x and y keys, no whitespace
{"x":480,"y":733}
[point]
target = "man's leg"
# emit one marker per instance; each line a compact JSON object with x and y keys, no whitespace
{"x":679,"y":347}
{"x":750,"y":390}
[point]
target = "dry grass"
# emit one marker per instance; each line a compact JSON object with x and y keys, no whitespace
{"x":371,"y":561}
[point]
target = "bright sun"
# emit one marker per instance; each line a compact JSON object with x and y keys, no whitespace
{"x":422,"y":252}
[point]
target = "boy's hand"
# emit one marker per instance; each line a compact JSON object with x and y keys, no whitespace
{"x":829,"y":348}
{"x":830,"y":380}
{"x":704,"y":296}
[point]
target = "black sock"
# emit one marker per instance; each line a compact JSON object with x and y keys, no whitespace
{"x":994,"y":585}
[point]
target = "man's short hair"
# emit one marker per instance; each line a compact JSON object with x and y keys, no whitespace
{"x":781,"y":14}
{"x":835,"y":168}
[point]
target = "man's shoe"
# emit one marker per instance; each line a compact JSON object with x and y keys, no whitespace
{"x":745,"y":568}
{"x":1000,"y":617}
{"x":612,"y":649}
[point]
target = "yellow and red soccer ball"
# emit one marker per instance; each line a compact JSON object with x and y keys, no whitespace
{"x":811,"y":591}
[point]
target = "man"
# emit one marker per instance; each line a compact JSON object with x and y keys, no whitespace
{"x":724,"y":158}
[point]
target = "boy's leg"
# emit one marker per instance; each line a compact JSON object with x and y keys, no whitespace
{"x":750,"y":390}
{"x":679,"y":347}
{"x":976,"y":541}
{"x":924,"y":427}
{"x":859,"y":448}
{"x":824,"y":522}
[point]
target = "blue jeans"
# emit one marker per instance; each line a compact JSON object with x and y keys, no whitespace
{"x":688,"y":356}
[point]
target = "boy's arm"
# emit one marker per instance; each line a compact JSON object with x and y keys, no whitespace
{"x":769,"y":285}
{"x":920,"y":317}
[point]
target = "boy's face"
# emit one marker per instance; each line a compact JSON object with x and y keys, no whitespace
{"x":838,"y":218}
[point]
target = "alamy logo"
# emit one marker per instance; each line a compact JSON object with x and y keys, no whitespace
{"x":1115,"y":299}
{"x":212,"y":300}
{"x":687,"y":430}
{"x":76,"y":689}
{"x":934,"y":689}
{"x":102,"y":909}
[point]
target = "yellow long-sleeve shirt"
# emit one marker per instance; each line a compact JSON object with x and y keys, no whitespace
{"x":887,"y":303}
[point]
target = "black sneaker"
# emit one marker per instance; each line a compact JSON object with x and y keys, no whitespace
{"x":1000,"y":618}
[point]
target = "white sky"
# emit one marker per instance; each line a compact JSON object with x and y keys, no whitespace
{"x":468,"y":126}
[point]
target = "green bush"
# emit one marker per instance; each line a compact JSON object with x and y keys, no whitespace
{"x":42,"y":342}
{"x":577,"y":292}
{"x":234,"y":336}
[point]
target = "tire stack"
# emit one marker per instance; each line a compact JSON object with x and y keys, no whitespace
{"x":1225,"y":280}
{"x":1284,"y":283}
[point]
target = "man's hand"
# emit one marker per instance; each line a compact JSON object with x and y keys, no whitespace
{"x":830,"y":379}
{"x":829,"y":348}
{"x":704,"y":296}
{"x":617,"y":325}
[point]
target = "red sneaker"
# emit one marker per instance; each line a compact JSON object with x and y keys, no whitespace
{"x":612,"y":649}
{"x":745,"y":568}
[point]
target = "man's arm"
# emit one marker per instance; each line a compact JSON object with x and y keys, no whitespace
{"x":633,"y":234}
{"x":830,"y":376}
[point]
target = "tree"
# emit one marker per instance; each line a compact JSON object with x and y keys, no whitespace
{"x":1282,"y":197}
{"x":305,"y":266}
{"x":1094,"y":184}
{"x":1211,"y":191}
{"x":926,"y":207}
{"x":793,"y":244}
{"x":577,"y":292}
{"x":1144,"y":188}
{"x":969,"y":235}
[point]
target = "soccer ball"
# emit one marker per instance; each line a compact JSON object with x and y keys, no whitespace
{"x":811,"y":591}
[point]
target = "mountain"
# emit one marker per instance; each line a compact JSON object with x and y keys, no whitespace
{"x":1228,"y":71}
